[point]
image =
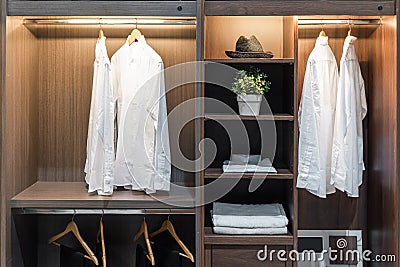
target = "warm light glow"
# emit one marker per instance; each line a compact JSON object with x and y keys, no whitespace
{"x":110,"y":21}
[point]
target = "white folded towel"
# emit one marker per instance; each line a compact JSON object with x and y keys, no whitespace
{"x":249,"y":215}
{"x":248,"y":163}
{"x":250,"y":231}
{"x":247,"y":168}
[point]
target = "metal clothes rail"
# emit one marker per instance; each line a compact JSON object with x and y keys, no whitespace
{"x":172,"y":211}
{"x":110,"y":21}
{"x":340,"y":21}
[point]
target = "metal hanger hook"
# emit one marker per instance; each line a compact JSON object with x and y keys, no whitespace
{"x":73,"y":216}
{"x":169,"y":214}
{"x":136,"y":23}
{"x":144,"y":217}
{"x":102,"y":214}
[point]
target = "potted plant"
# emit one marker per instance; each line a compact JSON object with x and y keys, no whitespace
{"x":250,"y":85}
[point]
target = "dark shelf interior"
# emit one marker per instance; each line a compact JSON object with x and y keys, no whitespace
{"x":249,"y":137}
{"x":223,"y":101}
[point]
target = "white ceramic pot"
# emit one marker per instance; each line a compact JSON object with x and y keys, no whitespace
{"x":249,"y":105}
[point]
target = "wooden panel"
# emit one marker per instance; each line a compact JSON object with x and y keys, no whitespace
{"x":74,"y":195}
{"x":101,"y":8}
{"x":215,"y":173}
{"x":276,"y":117}
{"x":3,"y":181}
{"x":299,"y":7}
{"x":289,"y":60}
{"x":262,"y":27}
{"x":288,"y":37}
{"x":293,"y":209}
{"x":383,"y":209}
{"x":20,"y":137}
{"x":214,"y":239}
{"x":227,"y":256}
{"x":65,"y":78}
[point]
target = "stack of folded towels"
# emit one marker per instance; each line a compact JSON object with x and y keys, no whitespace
{"x":240,"y":163}
{"x":249,"y":219}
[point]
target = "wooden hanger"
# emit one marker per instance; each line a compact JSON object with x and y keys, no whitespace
{"x":101,"y":33}
{"x":100,"y":235}
{"x":349,"y":32}
{"x":144,"y":231}
{"x":135,"y":35}
{"x":72,"y":227}
{"x":322,"y":32}
{"x":167,"y":226}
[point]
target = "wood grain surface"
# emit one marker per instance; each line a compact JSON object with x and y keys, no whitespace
{"x":383,"y":205}
{"x":20,"y":119}
{"x":299,"y":7}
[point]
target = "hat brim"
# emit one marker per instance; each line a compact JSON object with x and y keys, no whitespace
{"x":236,"y":54}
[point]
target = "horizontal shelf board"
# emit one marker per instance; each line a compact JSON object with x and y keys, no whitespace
{"x":215,"y":239}
{"x":101,"y":8}
{"x":300,"y":7}
{"x":277,"y":117}
{"x":251,"y":60}
{"x":215,"y":173}
{"x":75,"y":195}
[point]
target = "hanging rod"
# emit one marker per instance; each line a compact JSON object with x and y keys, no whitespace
{"x":24,"y":211}
{"x":109,"y":21}
{"x":340,"y":21}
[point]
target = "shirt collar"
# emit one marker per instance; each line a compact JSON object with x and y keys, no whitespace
{"x":350,"y":40}
{"x":321,"y":40}
{"x":141,"y":41}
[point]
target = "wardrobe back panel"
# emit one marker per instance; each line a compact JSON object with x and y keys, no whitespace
{"x":65,"y":84}
{"x":337,"y":211}
{"x":20,"y":140}
{"x":382,"y":139}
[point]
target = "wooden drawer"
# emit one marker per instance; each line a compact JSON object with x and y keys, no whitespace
{"x":233,"y":255}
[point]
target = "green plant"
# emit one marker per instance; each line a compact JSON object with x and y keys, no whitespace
{"x":251,"y":81}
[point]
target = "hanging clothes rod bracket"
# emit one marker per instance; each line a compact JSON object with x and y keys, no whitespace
{"x":74,"y":212}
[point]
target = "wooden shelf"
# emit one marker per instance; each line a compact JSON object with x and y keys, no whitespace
{"x":75,"y":195}
{"x":276,"y":117}
{"x":252,"y":60}
{"x":214,"y":239}
{"x":215,"y":173}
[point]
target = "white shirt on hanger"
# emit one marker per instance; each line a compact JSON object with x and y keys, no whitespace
{"x":316,"y":119}
{"x":100,"y":141}
{"x":351,"y":108}
{"x":143,"y":152}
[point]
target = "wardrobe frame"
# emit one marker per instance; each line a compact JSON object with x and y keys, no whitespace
{"x":383,"y":199}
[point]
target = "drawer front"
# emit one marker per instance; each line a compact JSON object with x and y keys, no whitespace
{"x":243,"y":256}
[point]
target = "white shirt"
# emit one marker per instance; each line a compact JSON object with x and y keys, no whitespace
{"x":351,"y":108}
{"x":100,"y":141}
{"x":316,"y":119}
{"x":143,"y":152}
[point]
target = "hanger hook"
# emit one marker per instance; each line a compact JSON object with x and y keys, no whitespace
{"x":169,"y":214}
{"x":144,"y":217}
{"x":136,"y":24}
{"x":102,"y":214}
{"x":73,"y":216}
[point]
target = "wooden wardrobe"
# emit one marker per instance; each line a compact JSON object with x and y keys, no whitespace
{"x":46,"y":79}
